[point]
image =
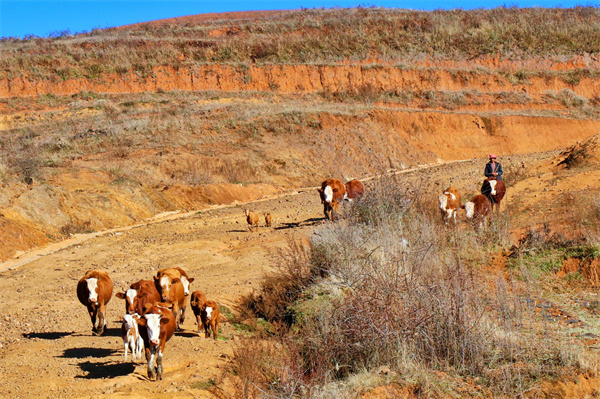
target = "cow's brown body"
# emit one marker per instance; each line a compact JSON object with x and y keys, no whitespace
{"x":354,"y":190}
{"x":268,"y":220}
{"x":95,"y":302}
{"x":155,"y":349}
{"x":332,"y":191}
{"x":173,"y":293}
{"x":494,"y":190}
{"x":251,"y":219}
{"x":210,"y":320}
{"x":479,"y":209}
{"x":142,"y":289}
{"x":450,"y":203}
{"x":197,"y":302}
{"x":177,"y":273}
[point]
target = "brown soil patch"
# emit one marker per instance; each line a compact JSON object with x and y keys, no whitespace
{"x":589,"y":268}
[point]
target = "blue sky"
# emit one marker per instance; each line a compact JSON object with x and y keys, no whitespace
{"x":44,"y":17}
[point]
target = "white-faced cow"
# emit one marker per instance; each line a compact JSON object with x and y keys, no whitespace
{"x":94,"y":291}
{"x":131,"y":337}
{"x":494,"y":190}
{"x":332,"y":191}
{"x":210,"y":318}
{"x":171,"y":291}
{"x":479,"y":209}
{"x":450,"y":203}
{"x":185,"y":280}
{"x":354,"y":190}
{"x":133,"y":294}
{"x":157,"y":326}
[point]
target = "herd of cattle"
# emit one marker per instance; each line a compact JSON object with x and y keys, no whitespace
{"x":153,"y":311}
{"x":480,"y":208}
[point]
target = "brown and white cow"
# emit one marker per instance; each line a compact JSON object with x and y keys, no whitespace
{"x":94,"y":291}
{"x":332,"y":191}
{"x":178,"y":272}
{"x":450,"y":203}
{"x":210,"y":318}
{"x":131,"y":337}
{"x":479,"y":209}
{"x":133,"y":294}
{"x":197,"y":302}
{"x":494,"y":190}
{"x":354,"y":190}
{"x":185,"y":280}
{"x":171,"y":291}
{"x":157,"y":326}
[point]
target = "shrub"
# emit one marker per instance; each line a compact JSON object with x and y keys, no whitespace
{"x":391,"y":286}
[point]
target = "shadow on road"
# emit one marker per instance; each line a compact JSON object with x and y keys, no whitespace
{"x":80,"y":353}
{"x":47,"y":335}
{"x":304,"y":223}
{"x":96,"y":370}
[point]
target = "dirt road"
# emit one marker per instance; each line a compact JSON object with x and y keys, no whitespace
{"x":47,"y":346}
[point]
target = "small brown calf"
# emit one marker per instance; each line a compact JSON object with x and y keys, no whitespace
{"x":210,"y":318}
{"x":197,"y":302}
{"x":268,"y":219}
{"x":252,"y":219}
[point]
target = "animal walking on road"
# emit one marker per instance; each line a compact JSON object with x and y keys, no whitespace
{"x":332,"y":191}
{"x":94,"y":291}
{"x":252,"y":219}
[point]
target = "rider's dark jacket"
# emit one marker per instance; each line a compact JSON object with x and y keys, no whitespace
{"x":489,"y":170}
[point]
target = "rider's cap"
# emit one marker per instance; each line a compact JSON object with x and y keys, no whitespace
{"x":492,"y":156}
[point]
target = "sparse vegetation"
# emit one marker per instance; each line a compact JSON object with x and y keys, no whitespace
{"x":389,"y":287}
{"x":360,"y":33}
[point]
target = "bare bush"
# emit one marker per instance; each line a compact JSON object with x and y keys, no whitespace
{"x":391,"y":286}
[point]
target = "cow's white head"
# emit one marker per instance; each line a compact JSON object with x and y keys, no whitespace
{"x":153,"y":322}
{"x":186,"y":284}
{"x":443,"y":199}
{"x":130,"y":322}
{"x":130,"y":295}
{"x":208,"y":312}
{"x":470,"y":208}
{"x":328,"y":194}
{"x":493,"y":186}
{"x":92,"y":286}
{"x":165,"y":285}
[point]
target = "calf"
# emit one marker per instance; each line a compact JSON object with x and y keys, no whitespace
{"x":94,"y":290}
{"x":450,"y":203}
{"x":210,"y":318}
{"x":479,"y":209}
{"x":131,"y":337}
{"x":354,"y":190}
{"x":198,"y":302}
{"x":331,"y":192}
{"x":268,"y":219}
{"x":157,"y":327}
{"x":252,"y":219}
{"x":131,"y":296}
